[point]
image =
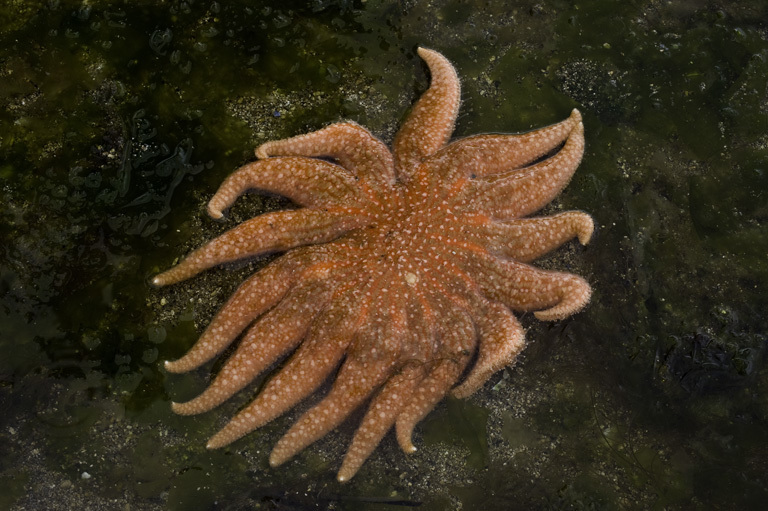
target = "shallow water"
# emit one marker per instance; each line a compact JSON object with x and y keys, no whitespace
{"x":118,"y":122}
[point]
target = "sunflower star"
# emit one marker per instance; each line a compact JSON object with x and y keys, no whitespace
{"x":406,"y":264}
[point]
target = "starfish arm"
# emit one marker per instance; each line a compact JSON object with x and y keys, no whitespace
{"x":348,"y":143}
{"x":431,"y":390}
{"x":527,"y":239}
{"x":521,"y":192}
{"x":374,"y":351}
{"x":305,"y":181}
{"x":484,"y":155}
{"x":379,"y":418}
{"x":256,"y":295}
{"x":430,"y":123}
{"x":355,"y":382}
{"x":417,"y":348}
{"x":518,"y":286}
{"x":326,"y":344}
{"x":457,"y":341}
{"x":525,"y":288}
{"x":274,"y":335}
{"x":573,"y":294}
{"x":306,"y":370}
{"x":449,"y":277}
{"x":271,"y":232}
{"x":502,"y":338}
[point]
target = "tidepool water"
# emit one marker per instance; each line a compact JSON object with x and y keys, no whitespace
{"x":119,"y":119}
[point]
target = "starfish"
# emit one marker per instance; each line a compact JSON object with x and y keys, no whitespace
{"x":402,"y":269}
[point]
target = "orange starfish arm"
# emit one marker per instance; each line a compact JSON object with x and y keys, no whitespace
{"x":380,"y":417}
{"x":347,"y":142}
{"x":271,"y":232}
{"x":527,"y":239}
{"x":484,"y":155}
{"x":252,"y":298}
{"x":305,"y":371}
{"x":457,"y":340}
{"x":430,"y":123}
{"x":305,"y":181}
{"x":272,"y":336}
{"x":521,"y":192}
{"x":502,"y":338}
{"x":431,"y":390}
{"x":525,"y":288}
{"x":319,"y":354}
{"x":356,"y":380}
{"x":371,"y":357}
{"x":255,"y":296}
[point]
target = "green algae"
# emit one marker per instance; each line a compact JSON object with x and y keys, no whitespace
{"x":119,"y":120}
